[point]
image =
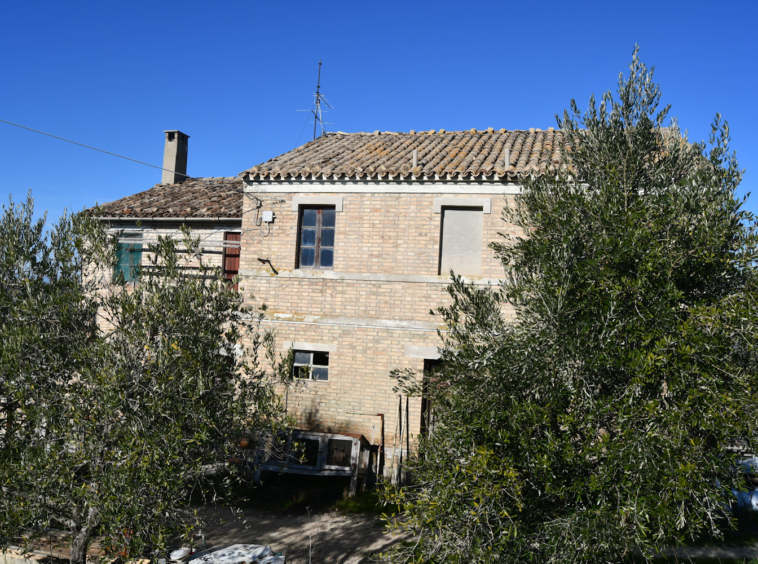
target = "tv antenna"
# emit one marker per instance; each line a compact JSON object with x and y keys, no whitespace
{"x":317,"y":111}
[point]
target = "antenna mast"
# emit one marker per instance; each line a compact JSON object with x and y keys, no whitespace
{"x":319,"y":99}
{"x":316,"y":110}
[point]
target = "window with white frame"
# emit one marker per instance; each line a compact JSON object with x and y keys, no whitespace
{"x":311,"y":365}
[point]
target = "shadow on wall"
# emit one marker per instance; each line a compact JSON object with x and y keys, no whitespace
{"x":308,"y":419}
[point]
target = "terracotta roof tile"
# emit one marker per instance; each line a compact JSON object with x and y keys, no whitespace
{"x":447,"y":154}
{"x":195,"y":197}
{"x":457,"y":155}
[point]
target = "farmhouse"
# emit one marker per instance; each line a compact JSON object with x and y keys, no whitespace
{"x":211,"y":207}
{"x":349,"y":240}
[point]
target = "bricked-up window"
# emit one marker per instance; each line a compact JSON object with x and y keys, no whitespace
{"x":231,"y":256}
{"x":129,"y":257}
{"x":316,"y":237}
{"x":311,"y":365}
{"x":461,"y":245}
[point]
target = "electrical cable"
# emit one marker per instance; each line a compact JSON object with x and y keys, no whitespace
{"x":186,"y":176}
{"x":90,"y":147}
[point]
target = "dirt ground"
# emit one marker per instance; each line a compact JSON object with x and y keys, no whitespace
{"x":341,"y":538}
{"x":324,"y":538}
{"x":338,"y":537}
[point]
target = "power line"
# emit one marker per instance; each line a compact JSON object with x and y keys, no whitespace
{"x":256,"y":209}
{"x":207,"y":182}
{"x":90,"y":147}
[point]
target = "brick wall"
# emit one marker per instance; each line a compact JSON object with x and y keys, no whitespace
{"x":369,"y":308}
{"x":375,"y":233}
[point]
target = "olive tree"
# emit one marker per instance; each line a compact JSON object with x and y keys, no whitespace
{"x":121,"y":402}
{"x":604,"y":418}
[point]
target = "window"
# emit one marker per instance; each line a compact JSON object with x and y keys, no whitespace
{"x":461,"y":244}
{"x":129,"y":257}
{"x":231,"y":256}
{"x":316,"y":237}
{"x":311,"y":365}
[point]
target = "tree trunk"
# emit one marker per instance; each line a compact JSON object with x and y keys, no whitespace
{"x":83,"y":537}
{"x":79,"y":546}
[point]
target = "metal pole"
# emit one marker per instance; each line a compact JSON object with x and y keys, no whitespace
{"x":407,"y":434}
{"x":318,"y":101}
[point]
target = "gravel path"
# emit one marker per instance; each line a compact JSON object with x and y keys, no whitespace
{"x":330,"y":538}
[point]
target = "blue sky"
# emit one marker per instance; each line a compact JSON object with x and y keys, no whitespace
{"x":232,"y":75}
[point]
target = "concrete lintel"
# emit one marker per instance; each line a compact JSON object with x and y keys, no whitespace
{"x":335,"y":201}
{"x":484,"y":203}
{"x":365,"y":277}
{"x":413,"y":351}
{"x":355,"y":322}
{"x":318,"y":347}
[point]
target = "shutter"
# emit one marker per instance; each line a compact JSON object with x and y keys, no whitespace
{"x":135,"y":260}
{"x":129,"y":258}
{"x":232,"y":256}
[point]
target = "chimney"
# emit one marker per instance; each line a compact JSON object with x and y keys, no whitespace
{"x":175,"y":157}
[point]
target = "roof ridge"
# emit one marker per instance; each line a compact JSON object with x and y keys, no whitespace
{"x":437,"y":132}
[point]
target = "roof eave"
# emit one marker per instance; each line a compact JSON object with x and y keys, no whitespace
{"x":172,"y":219}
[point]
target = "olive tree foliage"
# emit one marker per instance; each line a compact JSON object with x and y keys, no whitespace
{"x":121,"y":402}
{"x":594,"y":405}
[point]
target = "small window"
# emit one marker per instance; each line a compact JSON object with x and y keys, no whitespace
{"x":311,"y":365}
{"x":316,"y":237}
{"x":129,"y":257}
{"x":231,"y":256}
